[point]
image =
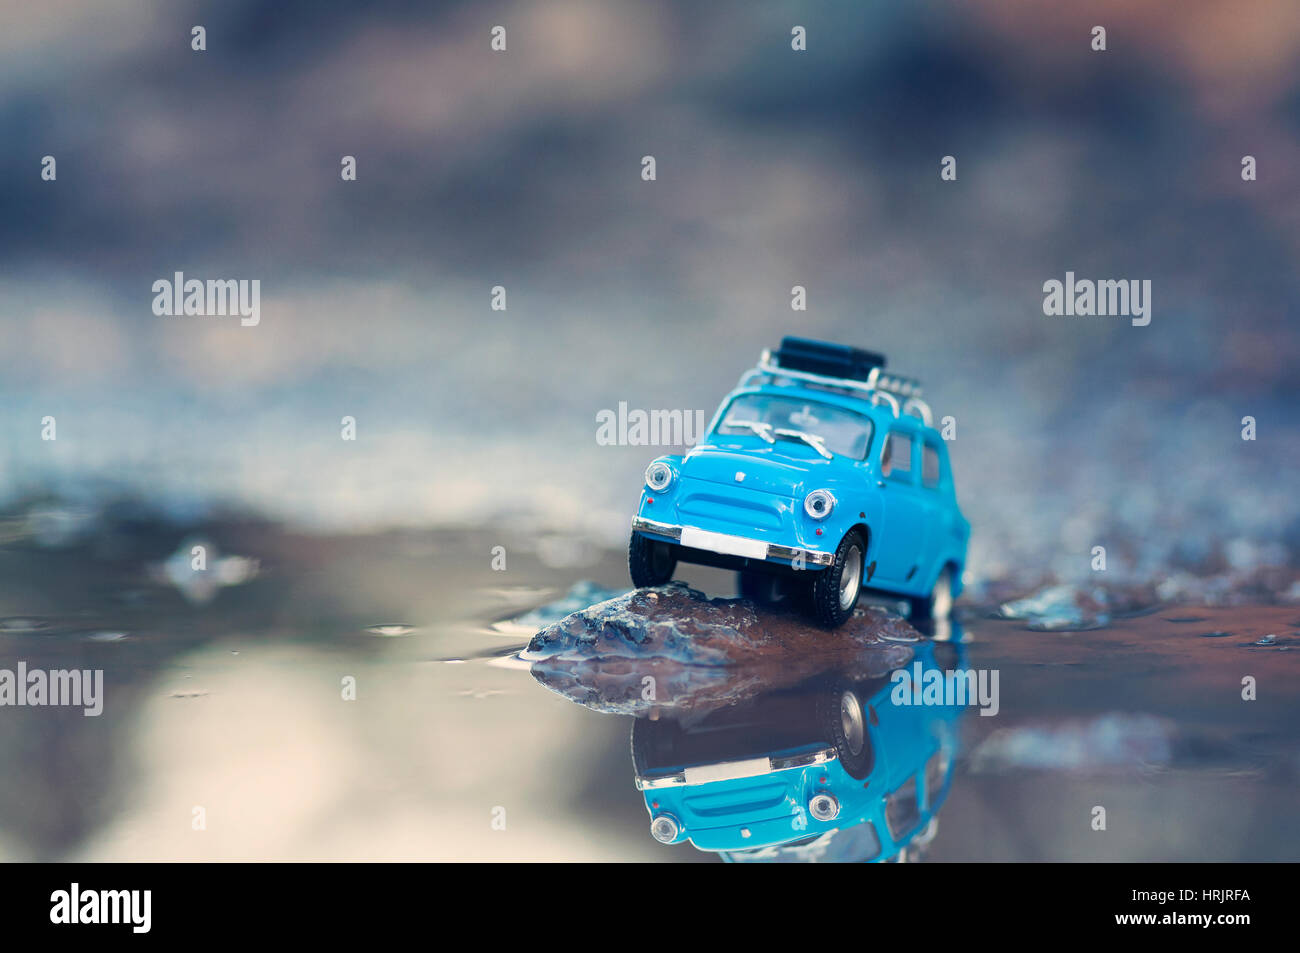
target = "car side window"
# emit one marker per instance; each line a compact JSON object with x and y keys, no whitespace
{"x":902,"y":810}
{"x":930,"y":466}
{"x":896,"y":459}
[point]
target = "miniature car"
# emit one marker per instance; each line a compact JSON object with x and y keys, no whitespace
{"x":833,"y":770}
{"x":819,"y":475}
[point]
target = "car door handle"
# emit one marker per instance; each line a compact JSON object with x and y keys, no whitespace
{"x":881,"y":484}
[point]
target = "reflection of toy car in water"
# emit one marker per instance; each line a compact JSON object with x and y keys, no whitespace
{"x":832,"y":771}
{"x":817,"y":461}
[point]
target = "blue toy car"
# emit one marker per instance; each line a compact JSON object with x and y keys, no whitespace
{"x":820,"y":475}
{"x":831,"y":771}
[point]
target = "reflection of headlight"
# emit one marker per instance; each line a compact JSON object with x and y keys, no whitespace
{"x":658,"y":476}
{"x":824,"y":807}
{"x":664,"y":829}
{"x":818,"y":504}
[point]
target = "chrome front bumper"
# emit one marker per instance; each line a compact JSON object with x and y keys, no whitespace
{"x":735,"y":770}
{"x":789,"y":553}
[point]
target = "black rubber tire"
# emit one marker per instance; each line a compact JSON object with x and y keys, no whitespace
{"x":855,"y":764}
{"x":650,"y":561}
{"x":762,"y":588}
{"x":922,"y":608}
{"x":824,"y":601}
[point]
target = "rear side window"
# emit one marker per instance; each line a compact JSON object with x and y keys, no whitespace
{"x":930,"y":466}
{"x":896,"y":460}
{"x":902,"y":811}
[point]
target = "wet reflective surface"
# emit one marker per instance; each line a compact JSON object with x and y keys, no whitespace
{"x":226,"y":699}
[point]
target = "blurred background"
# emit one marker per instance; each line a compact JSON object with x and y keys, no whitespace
{"x":476,"y":427}
{"x":522,"y":169}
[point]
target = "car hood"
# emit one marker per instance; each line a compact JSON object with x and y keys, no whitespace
{"x":767,"y":470}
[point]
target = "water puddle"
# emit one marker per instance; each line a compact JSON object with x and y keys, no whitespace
{"x":1107,"y":742}
{"x":579,"y":596}
{"x":22,"y":625}
{"x":604,"y":703}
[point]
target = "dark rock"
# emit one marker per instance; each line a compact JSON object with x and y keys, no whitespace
{"x":671,"y":648}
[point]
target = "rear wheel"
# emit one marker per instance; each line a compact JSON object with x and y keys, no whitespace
{"x":938,"y":604}
{"x":835,"y":589}
{"x":762,"y":588}
{"x":650,"y":561}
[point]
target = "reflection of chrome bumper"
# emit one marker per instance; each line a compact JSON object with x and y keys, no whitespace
{"x":790,"y":553}
{"x":735,"y":770}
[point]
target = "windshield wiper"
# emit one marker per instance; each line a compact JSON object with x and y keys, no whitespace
{"x":762,"y":429}
{"x":817,"y":443}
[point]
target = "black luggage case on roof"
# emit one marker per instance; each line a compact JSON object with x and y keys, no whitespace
{"x":829,"y":360}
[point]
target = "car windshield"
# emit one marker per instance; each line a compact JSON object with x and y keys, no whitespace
{"x":771,"y":418}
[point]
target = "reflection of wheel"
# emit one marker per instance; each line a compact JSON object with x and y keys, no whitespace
{"x":946,"y":656}
{"x":923,"y":839}
{"x":938,"y":604}
{"x":652,"y":743}
{"x":650,"y":561}
{"x":843,"y":719}
{"x":835,"y":589}
{"x":761,"y":588}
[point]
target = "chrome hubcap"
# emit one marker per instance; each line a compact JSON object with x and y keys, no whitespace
{"x":855,"y":730}
{"x":850,"y":578}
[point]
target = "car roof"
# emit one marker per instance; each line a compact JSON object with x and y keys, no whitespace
{"x":882,"y":415}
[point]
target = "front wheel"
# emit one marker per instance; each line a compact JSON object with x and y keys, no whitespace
{"x":835,"y":589}
{"x":843,"y":720}
{"x":650,"y":561}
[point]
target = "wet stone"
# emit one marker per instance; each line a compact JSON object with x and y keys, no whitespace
{"x":672,"y":647}
{"x":1069,"y":608}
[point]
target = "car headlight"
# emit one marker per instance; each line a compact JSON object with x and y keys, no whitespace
{"x":818,"y":504}
{"x":658,"y":476}
{"x":664,"y":828}
{"x":824,"y":807}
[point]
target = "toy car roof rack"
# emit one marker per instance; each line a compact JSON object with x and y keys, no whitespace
{"x":828,"y":360}
{"x":846,"y":368}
